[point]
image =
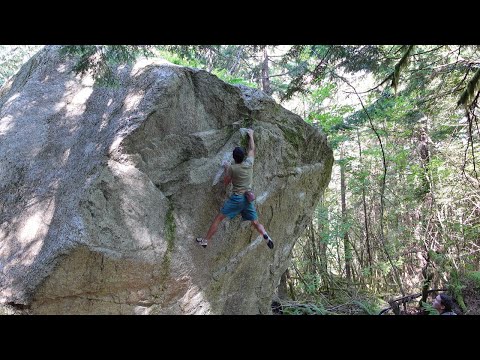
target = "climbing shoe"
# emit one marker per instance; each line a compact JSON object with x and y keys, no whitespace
{"x":201,"y":241}
{"x":269,"y":240}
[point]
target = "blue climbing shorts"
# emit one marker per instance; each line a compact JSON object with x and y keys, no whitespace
{"x":239,"y":204}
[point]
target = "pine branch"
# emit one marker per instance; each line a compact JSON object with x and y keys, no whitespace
{"x":401,"y":64}
{"x":473,"y":86}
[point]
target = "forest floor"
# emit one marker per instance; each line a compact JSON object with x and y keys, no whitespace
{"x":356,"y":304}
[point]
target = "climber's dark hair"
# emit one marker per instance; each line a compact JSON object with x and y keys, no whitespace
{"x":238,"y":155}
{"x":447,"y":301}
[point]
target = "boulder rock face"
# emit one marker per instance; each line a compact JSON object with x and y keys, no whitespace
{"x":104,"y":189}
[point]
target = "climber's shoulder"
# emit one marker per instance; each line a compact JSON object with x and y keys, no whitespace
{"x":248,"y":162}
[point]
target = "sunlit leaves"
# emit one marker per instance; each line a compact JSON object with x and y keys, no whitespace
{"x":225,"y":76}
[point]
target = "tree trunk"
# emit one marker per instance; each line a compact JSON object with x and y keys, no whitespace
{"x":265,"y":74}
{"x":313,"y":244}
{"x":346,"y":242}
{"x":367,"y":237}
{"x":424,"y":153}
{"x":322,"y":221}
{"x":282,"y":287}
{"x":427,"y":278}
{"x":235,"y":66}
{"x":382,"y":194}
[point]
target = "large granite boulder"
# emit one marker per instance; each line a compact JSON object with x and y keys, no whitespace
{"x":103,"y":190}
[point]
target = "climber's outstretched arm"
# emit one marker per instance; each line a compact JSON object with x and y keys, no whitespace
{"x":251,"y":143}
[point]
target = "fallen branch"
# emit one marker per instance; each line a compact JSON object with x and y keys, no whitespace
{"x":405,"y":299}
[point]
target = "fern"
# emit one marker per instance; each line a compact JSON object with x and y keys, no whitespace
{"x":305,"y":309}
{"x":429,"y":308}
{"x":455,"y":287}
{"x":369,"y":308}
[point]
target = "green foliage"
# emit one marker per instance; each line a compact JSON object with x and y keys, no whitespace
{"x":311,"y":283}
{"x":385,"y":267}
{"x":370,"y":307}
{"x":427,"y":203}
{"x":455,"y":287}
{"x":225,"y":76}
{"x":415,"y":176}
{"x":366,"y":271}
{"x":327,"y":121}
{"x":102,"y":60}
{"x":321,"y":93}
{"x":12,"y":57}
{"x":334,"y":141}
{"x":444,"y":131}
{"x":472,"y":231}
{"x":400,"y":158}
{"x":429,"y":309}
{"x":471,"y":90}
{"x":305,"y":309}
{"x":474,"y":276}
{"x":177,"y":59}
{"x":399,"y":66}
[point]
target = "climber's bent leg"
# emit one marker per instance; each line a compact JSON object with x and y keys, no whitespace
{"x":213,"y":228}
{"x":262,"y":231}
{"x":259,"y":227}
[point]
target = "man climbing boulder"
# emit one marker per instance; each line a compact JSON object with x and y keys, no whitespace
{"x":241,"y":202}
